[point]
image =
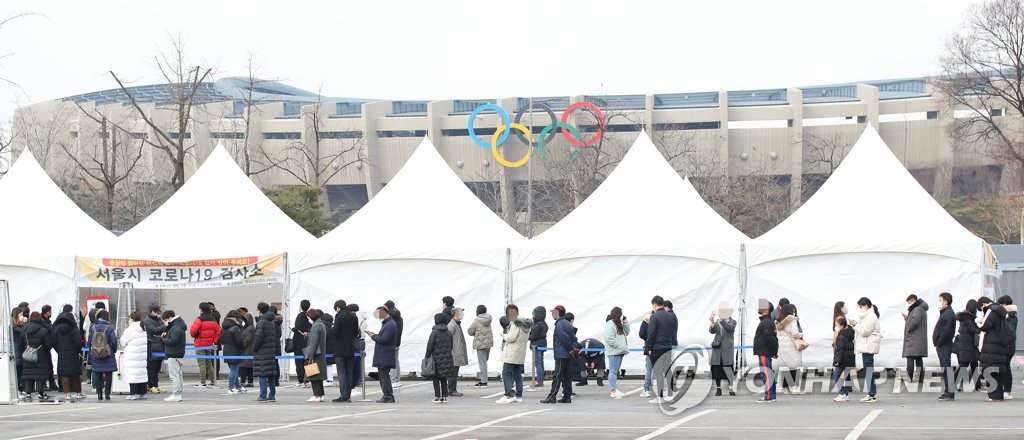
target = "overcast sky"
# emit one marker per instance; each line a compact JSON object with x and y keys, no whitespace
{"x":477,"y":49}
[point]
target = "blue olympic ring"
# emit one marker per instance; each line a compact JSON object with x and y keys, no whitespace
{"x":504,"y":120}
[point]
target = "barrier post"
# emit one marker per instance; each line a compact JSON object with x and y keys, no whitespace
{"x":8,"y":369}
{"x":362,"y":372}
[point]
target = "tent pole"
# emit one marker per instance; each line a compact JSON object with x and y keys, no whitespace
{"x":285,"y":311}
{"x":508,"y":276}
{"x":742,"y":272}
{"x":7,"y":355}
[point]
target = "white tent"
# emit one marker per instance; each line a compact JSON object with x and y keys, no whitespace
{"x":870,"y":231}
{"x":217,"y":213}
{"x":41,"y":231}
{"x":424,"y":236}
{"x":645,"y":231}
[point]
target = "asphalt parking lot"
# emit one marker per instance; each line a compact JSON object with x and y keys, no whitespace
{"x":212,"y":414}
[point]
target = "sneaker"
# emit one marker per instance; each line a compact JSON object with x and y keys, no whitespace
{"x":329,"y":383}
{"x":271,"y":400}
{"x":437,"y":400}
{"x":517,"y":400}
{"x":841,"y":398}
{"x":795,"y":391}
{"x":298,"y":385}
{"x":504,"y":400}
{"x":617,"y":394}
{"x":945,"y":398}
{"x":173,"y":398}
{"x":261,"y":400}
{"x":870,"y":399}
{"x":481,"y":385}
{"x":866,"y":398}
{"x":645,"y":394}
{"x":200,"y":385}
{"x":234,"y":392}
{"x":763,"y":400}
{"x":455,"y":394}
{"x":655,"y":400}
{"x":307,"y":385}
{"x":132,"y":397}
{"x":992,"y":400}
{"x":154,"y":390}
{"x":396,"y":384}
{"x":1007,"y":396}
{"x":313,"y":399}
{"x":212,"y":385}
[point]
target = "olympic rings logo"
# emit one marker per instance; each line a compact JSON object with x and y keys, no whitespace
{"x":547,"y":134}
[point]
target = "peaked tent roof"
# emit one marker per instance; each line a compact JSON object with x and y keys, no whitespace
{"x":41,"y":227}
{"x":642,"y":208}
{"x":218,"y":213}
{"x":871,"y":203}
{"x":425,"y":211}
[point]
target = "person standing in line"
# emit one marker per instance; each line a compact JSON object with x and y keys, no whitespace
{"x":723,"y":347}
{"x":616,"y":331}
{"x":360,"y":345}
{"x":967,"y":356}
{"x":564,"y":344}
{"x":103,"y":367}
{"x":205,"y":331}
{"x":661,"y":332}
{"x":513,"y":355}
{"x":483,"y":341}
{"x":993,"y":348}
{"x":1011,"y":343}
{"x":942,"y":338}
{"x":384,"y":353}
{"x":346,"y":331}
{"x":448,"y":308}
{"x":34,"y":374}
{"x":649,"y":368}
{"x":868,"y":343}
{"x":396,"y":315}
{"x":915,"y":336}
{"x":674,"y":321}
{"x":67,"y":342}
{"x":439,"y":350}
{"x":791,"y":359}
{"x":217,"y":347}
{"x":766,"y":348}
{"x":843,"y":360}
{"x":539,"y":343}
{"x":265,"y":347}
{"x":154,"y":328}
{"x":328,"y":320}
{"x":174,"y":349}
{"x":459,"y":352}
{"x":316,"y":352}
{"x":134,"y":346}
{"x":245,"y":367}
{"x":18,"y":334}
{"x":47,"y":319}
{"x":300,"y":330}
{"x":231,"y":340}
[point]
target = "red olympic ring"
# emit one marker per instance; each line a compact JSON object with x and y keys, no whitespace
{"x":600,"y":123}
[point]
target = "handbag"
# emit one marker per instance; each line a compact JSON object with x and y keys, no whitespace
{"x":31,"y":354}
{"x":800,"y":344}
{"x":427,"y":367}
{"x":289,"y":345}
{"x":311,"y":368}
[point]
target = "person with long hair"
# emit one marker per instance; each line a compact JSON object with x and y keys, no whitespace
{"x":843,"y":360}
{"x":723,"y":347}
{"x":36,"y":336}
{"x":616,"y":330}
{"x":67,"y":342}
{"x":316,"y":353}
{"x":790,"y":360}
{"x":134,"y":357}
{"x":967,"y":337}
{"x":868,"y":343}
{"x":231,"y":340}
{"x":18,"y":332}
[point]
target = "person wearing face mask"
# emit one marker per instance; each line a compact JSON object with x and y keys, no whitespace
{"x":459,"y":352}
{"x":722,"y":347}
{"x":868,"y":341}
{"x":915,"y":336}
{"x":942,"y":338}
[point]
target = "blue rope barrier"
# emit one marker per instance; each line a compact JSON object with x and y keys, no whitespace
{"x":602,"y":350}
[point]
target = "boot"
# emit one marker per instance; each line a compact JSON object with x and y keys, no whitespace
{"x":551,"y":399}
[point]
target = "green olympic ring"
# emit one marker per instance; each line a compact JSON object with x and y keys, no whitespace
{"x":540,"y":143}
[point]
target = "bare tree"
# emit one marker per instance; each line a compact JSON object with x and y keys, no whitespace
{"x":252,"y":164}
{"x":185,"y":80}
{"x":3,"y":22}
{"x":107,"y":161}
{"x":319,"y":155}
{"x":983,"y":67}
{"x":42,"y":131}
{"x":822,"y":156}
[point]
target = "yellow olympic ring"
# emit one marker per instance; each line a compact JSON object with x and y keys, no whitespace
{"x":497,"y":154}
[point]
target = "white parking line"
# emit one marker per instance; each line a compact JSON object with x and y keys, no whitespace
{"x":863,"y":425}
{"x":108,"y":425}
{"x":491,"y":396}
{"x":49,"y":412}
{"x":634,"y":391}
{"x":292,"y":425}
{"x":484,"y":425}
{"x":674,"y":424}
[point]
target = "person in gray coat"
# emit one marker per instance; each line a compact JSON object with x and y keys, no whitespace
{"x":483,"y":340}
{"x":915,"y":335}
{"x":722,"y":347}
{"x":459,"y":354}
{"x":316,"y":352}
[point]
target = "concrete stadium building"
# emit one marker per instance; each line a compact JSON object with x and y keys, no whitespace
{"x":748,"y":131}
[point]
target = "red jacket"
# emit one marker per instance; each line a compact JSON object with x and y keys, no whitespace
{"x":205,"y":330}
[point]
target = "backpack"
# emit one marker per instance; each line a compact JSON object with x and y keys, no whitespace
{"x":99,"y":348}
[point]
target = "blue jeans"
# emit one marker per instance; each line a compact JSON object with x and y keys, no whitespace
{"x":512,"y":374}
{"x":538,"y":365}
{"x":648,"y":373}
{"x":615,"y":363}
{"x":869,"y":372}
{"x":841,"y":376}
{"x":233,"y":377}
{"x":265,"y":383}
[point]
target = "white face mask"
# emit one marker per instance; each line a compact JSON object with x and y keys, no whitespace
{"x":844,"y":310}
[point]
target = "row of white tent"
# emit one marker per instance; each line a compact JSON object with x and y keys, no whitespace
{"x":871,"y":230}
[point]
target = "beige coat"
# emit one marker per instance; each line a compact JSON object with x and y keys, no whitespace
{"x":869,"y":333}
{"x":789,"y":356}
{"x":516,"y":341}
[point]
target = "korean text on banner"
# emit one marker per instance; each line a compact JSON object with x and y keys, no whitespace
{"x":186,"y":274}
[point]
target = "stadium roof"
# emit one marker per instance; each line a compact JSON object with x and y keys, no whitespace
{"x":226,"y":89}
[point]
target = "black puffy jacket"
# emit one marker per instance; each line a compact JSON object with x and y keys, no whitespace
{"x":154,"y":328}
{"x":439,"y":348}
{"x":39,"y":337}
{"x":968,"y":338}
{"x":945,"y":328}
{"x":766,"y":340}
{"x":265,"y":346}
{"x":67,"y":341}
{"x":844,"y":355}
{"x":231,"y":340}
{"x":993,"y":345}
